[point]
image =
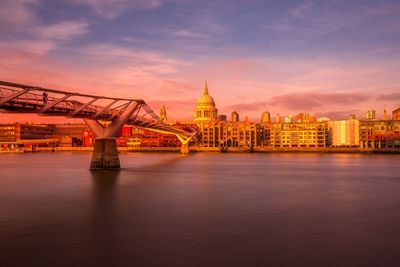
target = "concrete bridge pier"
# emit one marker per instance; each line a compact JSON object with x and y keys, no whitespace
{"x":105,"y":152}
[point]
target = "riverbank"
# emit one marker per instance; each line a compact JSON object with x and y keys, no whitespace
{"x":217,"y":150}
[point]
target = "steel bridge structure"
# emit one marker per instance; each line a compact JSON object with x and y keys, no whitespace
{"x":105,"y":116}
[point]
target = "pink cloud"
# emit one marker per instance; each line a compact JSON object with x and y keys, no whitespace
{"x":393,"y":97}
{"x":249,"y":86}
{"x":16,"y":13}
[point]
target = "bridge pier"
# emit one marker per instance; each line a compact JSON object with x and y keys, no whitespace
{"x":105,"y":154}
{"x":185,"y":143}
{"x":185,"y":148}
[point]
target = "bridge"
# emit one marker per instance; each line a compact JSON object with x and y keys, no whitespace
{"x":105,"y":116}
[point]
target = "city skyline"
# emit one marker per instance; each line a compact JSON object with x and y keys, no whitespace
{"x":329,"y":59}
{"x":278,"y":117}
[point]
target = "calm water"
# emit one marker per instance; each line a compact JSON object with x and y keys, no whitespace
{"x":201,"y":210}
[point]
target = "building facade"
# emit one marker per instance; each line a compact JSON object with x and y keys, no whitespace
{"x":14,"y":132}
{"x":344,"y":133}
{"x":265,"y":117}
{"x":299,"y":135}
{"x":379,"y":134}
{"x":396,"y":114}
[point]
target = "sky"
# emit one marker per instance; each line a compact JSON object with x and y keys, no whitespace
{"x":328,"y":58}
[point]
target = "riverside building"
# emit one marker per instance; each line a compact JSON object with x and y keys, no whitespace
{"x":14,"y":132}
{"x":379,"y":134}
{"x":344,"y":133}
{"x":305,"y":132}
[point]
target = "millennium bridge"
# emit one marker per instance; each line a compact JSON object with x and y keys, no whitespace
{"x":105,"y":116}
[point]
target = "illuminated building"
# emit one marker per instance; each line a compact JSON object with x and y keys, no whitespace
{"x":264,"y":133}
{"x":229,"y":134}
{"x":265,"y":117}
{"x":221,"y":118}
{"x":344,"y":133}
{"x":216,"y":133}
{"x":13,"y":132}
{"x":70,"y":134}
{"x":278,"y":118}
{"x":205,"y":109}
{"x":385,"y":116}
{"x":235,"y":116}
{"x":289,"y":118}
{"x":299,"y":135}
{"x":163,"y":114}
{"x":14,"y":136}
{"x":210,"y":134}
{"x":378,"y":134}
{"x":370,"y":114}
{"x":239,"y":134}
{"x":396,"y":114}
{"x":73,"y":130}
{"x":8,"y":132}
{"x":87,"y":138}
{"x":303,"y":118}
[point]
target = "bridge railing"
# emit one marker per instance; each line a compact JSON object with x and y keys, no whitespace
{"x":36,"y":102}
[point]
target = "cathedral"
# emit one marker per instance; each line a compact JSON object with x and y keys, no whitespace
{"x":216,"y":131}
{"x":205,"y":110}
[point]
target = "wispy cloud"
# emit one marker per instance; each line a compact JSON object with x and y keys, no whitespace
{"x":61,"y":31}
{"x":393,"y":97}
{"x":110,"y":9}
{"x":133,"y":40}
{"x":42,"y":39}
{"x":22,"y":27}
{"x":35,"y":46}
{"x":16,"y":12}
{"x":185,"y":33}
{"x":123,"y":54}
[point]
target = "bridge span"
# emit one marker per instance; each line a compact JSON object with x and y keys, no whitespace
{"x":105,"y":116}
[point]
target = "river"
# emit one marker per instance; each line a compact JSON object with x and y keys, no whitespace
{"x":205,"y":209}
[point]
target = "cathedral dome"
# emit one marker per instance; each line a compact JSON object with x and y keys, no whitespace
{"x":206,"y":99}
{"x":205,"y":109}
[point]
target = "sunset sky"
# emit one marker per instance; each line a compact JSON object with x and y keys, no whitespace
{"x":329,"y":58}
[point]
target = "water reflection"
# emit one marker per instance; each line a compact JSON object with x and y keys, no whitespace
{"x":201,"y":210}
{"x":103,"y":221}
